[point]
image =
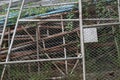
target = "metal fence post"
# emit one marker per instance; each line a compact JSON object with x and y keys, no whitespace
{"x":82,"y":38}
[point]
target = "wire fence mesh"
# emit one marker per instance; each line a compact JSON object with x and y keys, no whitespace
{"x":57,"y":37}
{"x":41,"y":71}
{"x":102,"y":56}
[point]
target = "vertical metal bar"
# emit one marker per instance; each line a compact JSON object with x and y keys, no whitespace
{"x":3,"y":32}
{"x":5,"y":24}
{"x":37,"y":40}
{"x":116,"y":38}
{"x":82,"y":38}
{"x":65,"y":52}
{"x":119,"y":9}
{"x":12,"y":40}
{"x":13,"y":36}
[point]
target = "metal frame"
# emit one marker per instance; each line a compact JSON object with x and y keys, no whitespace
{"x":5,"y":24}
{"x":119,"y":9}
{"x":3,"y":32}
{"x":10,"y":47}
{"x":81,"y":26}
{"x":41,"y":60}
{"x":82,"y":38}
{"x":65,"y":52}
{"x":15,"y":29}
{"x":77,"y":58}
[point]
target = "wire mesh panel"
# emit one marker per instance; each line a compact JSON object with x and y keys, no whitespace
{"x":45,"y":71}
{"x":102,"y":58}
{"x":48,"y":43}
{"x":52,"y":44}
{"x":50,"y":37}
{"x":102,"y":55}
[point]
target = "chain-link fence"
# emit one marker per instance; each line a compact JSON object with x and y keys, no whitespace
{"x":47,"y":49}
{"x":102,"y":56}
{"x":48,"y":46}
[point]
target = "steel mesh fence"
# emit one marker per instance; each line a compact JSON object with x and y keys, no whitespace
{"x":50,"y":49}
{"x":47,"y":40}
{"x":102,"y":55}
{"x":102,"y":58}
{"x":42,"y":71}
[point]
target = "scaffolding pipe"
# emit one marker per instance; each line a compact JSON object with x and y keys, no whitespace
{"x":65,"y":51}
{"x":13,"y":36}
{"x":119,"y":9}
{"x":10,"y":47}
{"x":37,"y":44}
{"x":101,"y":25}
{"x":44,"y":20}
{"x":3,"y":32}
{"x":5,"y":24}
{"x":40,"y":60}
{"x":116,"y":38}
{"x":59,"y":20}
{"x":82,"y":39}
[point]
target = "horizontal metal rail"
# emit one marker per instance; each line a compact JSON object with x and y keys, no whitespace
{"x":101,"y":25}
{"x":85,"y":26}
{"x":44,"y":20}
{"x":100,"y":19}
{"x":41,"y":60}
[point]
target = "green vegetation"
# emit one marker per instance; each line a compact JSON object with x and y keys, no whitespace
{"x":69,"y":25}
{"x":100,"y":9}
{"x":104,"y":55}
{"x":25,"y":13}
{"x":106,"y":10}
{"x":29,"y":71}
